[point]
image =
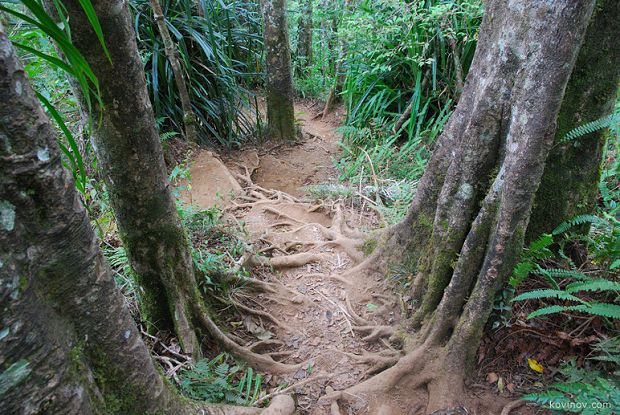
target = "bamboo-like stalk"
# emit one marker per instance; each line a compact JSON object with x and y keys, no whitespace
{"x":189,"y":118}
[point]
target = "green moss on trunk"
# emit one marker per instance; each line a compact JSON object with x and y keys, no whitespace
{"x":569,"y":184}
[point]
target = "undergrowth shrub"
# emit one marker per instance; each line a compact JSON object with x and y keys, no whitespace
{"x":220,"y":380}
{"x":591,"y":289}
{"x":404,"y":55}
{"x":220,"y":52}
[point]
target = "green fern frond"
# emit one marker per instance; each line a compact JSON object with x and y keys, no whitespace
{"x":548,"y":293}
{"x":593,"y":285}
{"x":591,"y":127}
{"x":167,"y":135}
{"x":563,"y":273}
{"x":579,"y":220}
{"x":520,"y":272}
{"x":599,"y":309}
{"x":552,"y":309}
{"x":544,"y":241}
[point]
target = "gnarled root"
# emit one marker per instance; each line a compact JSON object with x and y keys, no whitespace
{"x":422,"y":367}
{"x":261,"y":362}
{"x":378,"y":361}
{"x":295,"y":260}
{"x":280,"y":405}
{"x":261,"y":313}
{"x":374,"y":332}
{"x":512,"y":405}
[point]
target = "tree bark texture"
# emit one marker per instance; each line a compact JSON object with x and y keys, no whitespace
{"x":131,"y":160}
{"x":189,"y":118}
{"x":68,"y":344}
{"x":466,"y":225}
{"x":279,"y":86}
{"x":304,"y":36}
{"x":63,"y":320}
{"x":569,"y":185}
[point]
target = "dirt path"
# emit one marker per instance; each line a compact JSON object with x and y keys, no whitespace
{"x":289,"y":168}
{"x":337,"y":328}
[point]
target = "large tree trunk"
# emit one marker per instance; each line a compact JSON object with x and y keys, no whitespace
{"x":131,"y":161}
{"x":68,"y":344}
{"x":466,"y":225}
{"x":569,"y":183}
{"x":279,"y":87}
{"x":189,"y":118}
{"x":304,"y":37}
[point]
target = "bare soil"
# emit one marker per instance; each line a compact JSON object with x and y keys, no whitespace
{"x":337,"y":329}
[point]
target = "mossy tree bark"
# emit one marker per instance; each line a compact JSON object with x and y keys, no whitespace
{"x":279,"y":82}
{"x":131,"y":161}
{"x":466,"y":225}
{"x":304,"y":37}
{"x":189,"y":118}
{"x":569,"y":185}
{"x":68,"y":344}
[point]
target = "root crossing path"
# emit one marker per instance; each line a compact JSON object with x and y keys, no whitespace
{"x":333,"y":332}
{"x":335,"y":328}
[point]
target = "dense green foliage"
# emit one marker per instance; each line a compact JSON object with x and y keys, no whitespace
{"x":398,"y":53}
{"x":401,"y":57}
{"x":50,"y":57}
{"x":220,"y":50}
{"x":583,"y":391}
{"x":590,"y":288}
{"x":218,"y":381}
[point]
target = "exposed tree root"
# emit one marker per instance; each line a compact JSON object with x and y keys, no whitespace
{"x":289,"y":261}
{"x":261,"y":362}
{"x":261,"y":285}
{"x":378,"y":361}
{"x":374,"y":332}
{"x":334,"y":409}
{"x":422,"y":367}
{"x":263,"y":345}
{"x":280,"y":405}
{"x":512,"y":405}
{"x":292,"y":387}
{"x":261,"y":313}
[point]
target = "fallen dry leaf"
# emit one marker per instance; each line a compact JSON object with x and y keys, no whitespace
{"x":492,"y":377}
{"x":535,"y":366}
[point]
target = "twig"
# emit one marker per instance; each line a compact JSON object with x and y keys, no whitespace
{"x":293,"y":386}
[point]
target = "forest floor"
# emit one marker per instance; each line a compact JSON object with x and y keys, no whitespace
{"x":329,"y":324}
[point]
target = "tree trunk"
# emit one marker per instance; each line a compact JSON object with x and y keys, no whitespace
{"x":339,"y":72}
{"x":569,"y":185}
{"x":279,"y":87}
{"x":304,"y":37}
{"x":131,"y":160}
{"x":68,"y":344}
{"x":466,"y":225}
{"x":189,"y":118}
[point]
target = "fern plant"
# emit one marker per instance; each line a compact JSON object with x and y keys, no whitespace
{"x":588,"y":128}
{"x":581,"y":391}
{"x":216,"y":381}
{"x":572,"y":294}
